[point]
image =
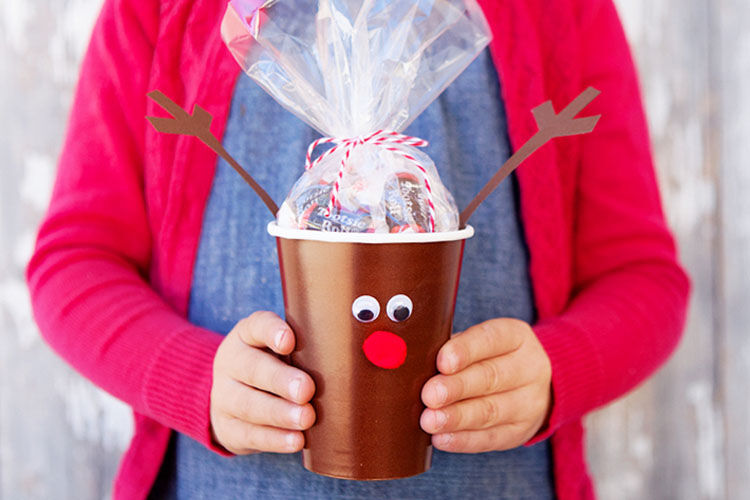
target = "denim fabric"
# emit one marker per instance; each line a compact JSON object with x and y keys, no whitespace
{"x":518,"y":475}
{"x":236,"y":273}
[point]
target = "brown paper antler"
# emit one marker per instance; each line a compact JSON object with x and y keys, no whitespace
{"x":550,"y":125}
{"x":198,"y":125}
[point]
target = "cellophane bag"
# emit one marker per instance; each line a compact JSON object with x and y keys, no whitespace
{"x":359,"y":72}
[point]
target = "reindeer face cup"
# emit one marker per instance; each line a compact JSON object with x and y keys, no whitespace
{"x":369,"y":319}
{"x":369,"y":241}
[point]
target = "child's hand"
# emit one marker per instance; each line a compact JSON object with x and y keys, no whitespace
{"x":493,"y":391}
{"x":258,"y":402}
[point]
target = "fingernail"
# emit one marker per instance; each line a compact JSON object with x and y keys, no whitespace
{"x":441,"y":394}
{"x":443,"y":439}
{"x":439,"y":419}
{"x":291,"y":441}
{"x":279,"y":338}
{"x":296,"y":415}
{"x":450,"y":359}
{"x":453,"y":361}
{"x":295,"y":388}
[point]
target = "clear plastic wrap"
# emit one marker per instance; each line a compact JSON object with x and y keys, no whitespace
{"x":359,"y":71}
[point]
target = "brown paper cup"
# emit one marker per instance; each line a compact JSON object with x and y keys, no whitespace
{"x":368,"y":349}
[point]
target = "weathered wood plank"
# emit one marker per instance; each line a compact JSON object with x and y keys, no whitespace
{"x":664,"y":440}
{"x":732,"y":73}
{"x":59,"y":436}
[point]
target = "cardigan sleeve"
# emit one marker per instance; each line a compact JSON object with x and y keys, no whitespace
{"x":87,"y":276}
{"x":629,"y":300}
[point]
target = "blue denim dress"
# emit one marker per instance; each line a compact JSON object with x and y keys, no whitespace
{"x":236,"y":273}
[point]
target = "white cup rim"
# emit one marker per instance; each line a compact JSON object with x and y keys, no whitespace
{"x":375,"y":238}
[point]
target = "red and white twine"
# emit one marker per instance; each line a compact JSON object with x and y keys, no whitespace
{"x":382,"y":138}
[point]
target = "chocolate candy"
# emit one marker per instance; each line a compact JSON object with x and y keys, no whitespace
{"x":311,"y":205}
{"x":339,"y":221}
{"x":318,"y":194}
{"x":406,"y":205}
{"x":404,"y":200}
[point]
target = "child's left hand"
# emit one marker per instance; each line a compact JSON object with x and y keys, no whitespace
{"x":493,"y":391}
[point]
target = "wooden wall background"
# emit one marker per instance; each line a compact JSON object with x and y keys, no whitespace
{"x":683,"y":435}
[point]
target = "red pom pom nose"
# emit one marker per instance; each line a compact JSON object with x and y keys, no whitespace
{"x":385,"y":350}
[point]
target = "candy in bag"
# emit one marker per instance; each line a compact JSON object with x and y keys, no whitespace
{"x":359,"y":72}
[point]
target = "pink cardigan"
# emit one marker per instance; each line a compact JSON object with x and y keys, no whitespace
{"x":111,"y":274}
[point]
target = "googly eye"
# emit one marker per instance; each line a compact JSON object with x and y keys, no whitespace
{"x":365,"y":308}
{"x":399,"y":308}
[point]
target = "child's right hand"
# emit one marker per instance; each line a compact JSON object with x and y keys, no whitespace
{"x":258,"y":402}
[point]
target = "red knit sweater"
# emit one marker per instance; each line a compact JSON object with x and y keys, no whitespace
{"x":111,"y":275}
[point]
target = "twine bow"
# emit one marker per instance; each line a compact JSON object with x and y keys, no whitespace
{"x":383,"y":138}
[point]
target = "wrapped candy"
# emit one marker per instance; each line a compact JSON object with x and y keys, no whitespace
{"x":359,"y":72}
